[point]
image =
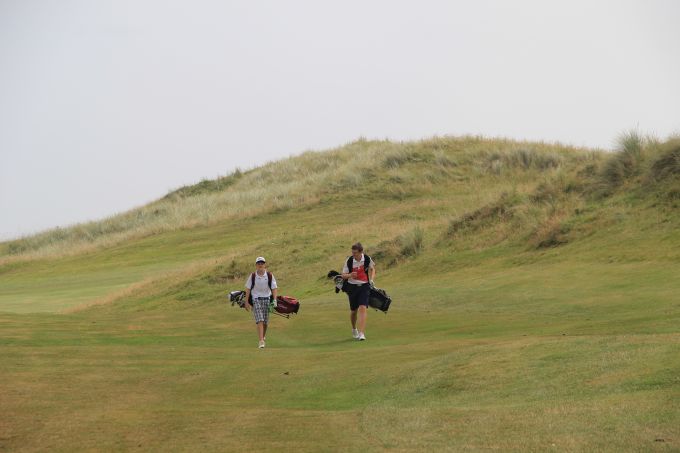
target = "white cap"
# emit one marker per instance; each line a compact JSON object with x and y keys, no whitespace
{"x":260,"y":258}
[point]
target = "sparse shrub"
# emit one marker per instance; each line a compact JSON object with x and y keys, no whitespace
{"x":16,"y":247}
{"x":524,"y":159}
{"x":401,"y":156}
{"x":667,"y":165}
{"x":554,"y":189}
{"x":663,"y":177}
{"x":223,"y":273}
{"x":411,"y":242}
{"x":206,"y":186}
{"x":441,"y":159}
{"x":625,"y":162}
{"x":614,"y":171}
{"x":397,"y":192}
{"x":631,"y":143}
{"x":588,"y":172}
{"x":499,"y":210}
{"x":369,"y":174}
{"x":673,"y":193}
{"x":547,"y":192}
{"x":551,"y":233}
{"x":394,"y":160}
{"x":496,"y":166}
{"x":386,"y":253}
{"x":519,"y":158}
{"x":394,"y":251}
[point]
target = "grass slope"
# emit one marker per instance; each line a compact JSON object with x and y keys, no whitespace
{"x":534,"y":309}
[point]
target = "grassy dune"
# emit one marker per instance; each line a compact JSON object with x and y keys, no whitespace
{"x":534,"y":309}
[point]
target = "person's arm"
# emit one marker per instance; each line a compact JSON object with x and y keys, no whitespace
{"x":274,"y":288}
{"x":372,"y":272}
{"x":247,"y":304}
{"x":248,"y":290}
{"x":346,"y":274}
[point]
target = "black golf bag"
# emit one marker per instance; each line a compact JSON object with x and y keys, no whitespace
{"x":377,"y":297}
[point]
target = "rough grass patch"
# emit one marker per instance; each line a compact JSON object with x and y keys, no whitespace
{"x":523,"y":159}
{"x":548,"y":191}
{"x":615,"y":170}
{"x":391,"y":252}
{"x":206,"y":186}
{"x":442,"y":160}
{"x":625,"y":163}
{"x":401,"y":156}
{"x":550,"y":233}
{"x":499,"y":210}
{"x":667,"y":165}
{"x":226,"y":273}
{"x":526,"y":159}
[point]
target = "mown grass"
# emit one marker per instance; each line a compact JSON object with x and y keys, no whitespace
{"x":534,"y":310}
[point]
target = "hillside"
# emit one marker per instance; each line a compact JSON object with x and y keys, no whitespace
{"x":534,"y":291}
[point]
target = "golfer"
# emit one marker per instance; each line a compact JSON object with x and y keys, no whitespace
{"x":261,"y":284}
{"x":356,"y":271}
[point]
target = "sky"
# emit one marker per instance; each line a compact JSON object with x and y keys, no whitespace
{"x":106,"y":105}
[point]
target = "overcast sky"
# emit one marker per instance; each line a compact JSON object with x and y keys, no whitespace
{"x":109,"y":104}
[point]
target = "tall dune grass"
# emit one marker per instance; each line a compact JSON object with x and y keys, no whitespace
{"x":394,"y":170}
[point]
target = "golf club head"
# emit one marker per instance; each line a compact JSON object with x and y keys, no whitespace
{"x":338,"y":283}
{"x":237,"y":297}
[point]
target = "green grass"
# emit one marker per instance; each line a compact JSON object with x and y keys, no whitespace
{"x":497,"y":339}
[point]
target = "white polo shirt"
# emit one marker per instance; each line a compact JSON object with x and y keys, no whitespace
{"x":261,"y":288}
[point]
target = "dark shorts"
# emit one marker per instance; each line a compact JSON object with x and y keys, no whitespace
{"x":358,"y":295}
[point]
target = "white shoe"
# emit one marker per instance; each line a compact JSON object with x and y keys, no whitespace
{"x":261,"y":344}
{"x":362,"y":337}
{"x":355,"y":334}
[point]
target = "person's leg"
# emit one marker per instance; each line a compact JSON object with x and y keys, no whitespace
{"x":260,"y":312}
{"x":353,"y":307}
{"x":266,"y":320}
{"x":260,"y":330}
{"x":362,"y":318}
{"x":362,"y":300}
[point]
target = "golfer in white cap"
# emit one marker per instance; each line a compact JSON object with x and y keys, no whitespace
{"x":261,"y":285}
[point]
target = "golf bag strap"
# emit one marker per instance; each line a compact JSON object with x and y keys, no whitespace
{"x":367,"y":263}
{"x":252,"y":280}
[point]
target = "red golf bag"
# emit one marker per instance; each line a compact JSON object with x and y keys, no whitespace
{"x":286,"y":305}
